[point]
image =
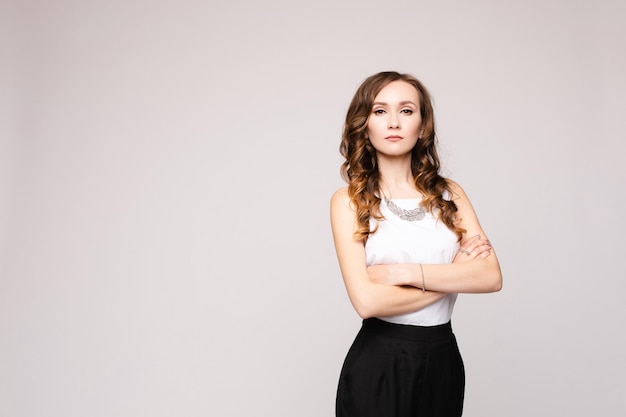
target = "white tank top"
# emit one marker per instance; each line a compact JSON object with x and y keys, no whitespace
{"x":426,"y":241}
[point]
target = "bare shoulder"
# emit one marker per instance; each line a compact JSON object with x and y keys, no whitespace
{"x":341,"y":213}
{"x":457,"y":191}
{"x":340,"y":198}
{"x":466,"y":215}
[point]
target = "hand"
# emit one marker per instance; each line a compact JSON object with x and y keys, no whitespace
{"x":475,"y":247}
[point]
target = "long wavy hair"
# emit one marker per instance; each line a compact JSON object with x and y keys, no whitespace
{"x":360,"y":168}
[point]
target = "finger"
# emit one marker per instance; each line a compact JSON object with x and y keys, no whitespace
{"x":472,"y":239}
{"x":469,"y":240}
{"x":478,"y":244}
{"x":468,"y":250}
{"x":470,"y":244}
{"x":476,"y":250}
{"x":482,"y":246}
{"x":464,"y":251}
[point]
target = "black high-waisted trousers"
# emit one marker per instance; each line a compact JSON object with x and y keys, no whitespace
{"x":396,"y":370}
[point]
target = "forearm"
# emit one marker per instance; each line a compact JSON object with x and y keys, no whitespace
{"x":475,"y":276}
{"x":379,"y":300}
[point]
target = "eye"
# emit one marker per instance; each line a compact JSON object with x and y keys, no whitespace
{"x":379,"y":111}
{"x":406,"y":111}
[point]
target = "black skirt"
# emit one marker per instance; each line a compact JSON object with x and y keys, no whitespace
{"x":395,"y":370}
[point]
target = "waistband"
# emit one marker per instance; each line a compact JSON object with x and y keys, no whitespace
{"x":438,"y":333}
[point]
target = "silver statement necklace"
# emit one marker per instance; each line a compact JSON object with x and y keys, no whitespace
{"x":412,"y":215}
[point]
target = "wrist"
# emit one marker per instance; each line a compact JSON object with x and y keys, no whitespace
{"x":412,"y":273}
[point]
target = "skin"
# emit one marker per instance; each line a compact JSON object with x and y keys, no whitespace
{"x":394,"y":126}
{"x":385,"y":290}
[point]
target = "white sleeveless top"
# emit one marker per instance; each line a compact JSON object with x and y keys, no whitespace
{"x":426,"y":241}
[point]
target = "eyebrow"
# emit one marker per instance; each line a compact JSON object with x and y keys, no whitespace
{"x":402,"y":103}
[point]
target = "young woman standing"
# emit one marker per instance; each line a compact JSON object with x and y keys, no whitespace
{"x":407,"y":241}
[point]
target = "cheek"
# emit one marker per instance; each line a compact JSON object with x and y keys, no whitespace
{"x":373,"y":126}
{"x":418,"y":128}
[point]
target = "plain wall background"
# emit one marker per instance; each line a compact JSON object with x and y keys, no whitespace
{"x":165,"y":175}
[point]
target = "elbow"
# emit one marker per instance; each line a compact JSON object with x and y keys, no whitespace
{"x":364,"y":311}
{"x":499,"y":285}
{"x":365,"y":306}
{"x":495,"y":283}
{"x":490,"y":278}
{"x":495,"y":287}
{"x":364,"y":315}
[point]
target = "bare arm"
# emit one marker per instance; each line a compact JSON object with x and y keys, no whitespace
{"x":476,"y":272}
{"x":370,"y":299}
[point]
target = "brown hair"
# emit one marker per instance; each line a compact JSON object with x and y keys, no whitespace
{"x":360,"y":169}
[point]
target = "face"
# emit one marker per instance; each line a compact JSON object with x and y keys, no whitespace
{"x":394,"y":124}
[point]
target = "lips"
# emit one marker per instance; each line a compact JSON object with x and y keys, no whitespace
{"x":393,"y":138}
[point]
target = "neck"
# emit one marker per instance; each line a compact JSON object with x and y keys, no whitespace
{"x":396,"y":178}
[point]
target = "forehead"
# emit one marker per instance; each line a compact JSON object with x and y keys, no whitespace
{"x":397,"y":91}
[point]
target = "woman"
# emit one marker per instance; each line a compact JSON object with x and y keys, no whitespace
{"x":407,"y":241}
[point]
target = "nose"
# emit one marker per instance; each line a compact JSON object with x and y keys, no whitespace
{"x":393,"y":122}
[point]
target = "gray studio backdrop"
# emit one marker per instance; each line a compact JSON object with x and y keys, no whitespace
{"x":165,"y":175}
